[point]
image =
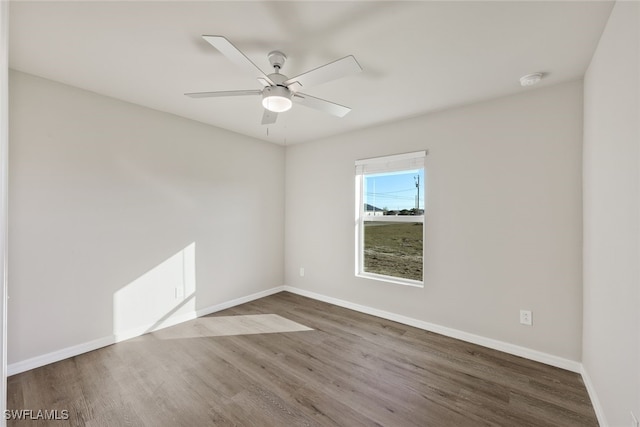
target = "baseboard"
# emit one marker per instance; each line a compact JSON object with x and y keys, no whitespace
{"x":516,"y":350}
{"x":238,"y":301}
{"x":141,"y":330}
{"x":595,"y":402}
{"x":65,"y":353}
{"x":55,"y":356}
{"x":185,"y":317}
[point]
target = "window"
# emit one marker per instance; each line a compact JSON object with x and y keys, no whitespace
{"x":390,"y":218}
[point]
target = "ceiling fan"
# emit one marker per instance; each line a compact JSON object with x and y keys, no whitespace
{"x":280,"y":91}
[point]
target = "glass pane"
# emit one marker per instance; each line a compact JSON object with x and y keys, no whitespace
{"x":395,"y":193}
{"x":393,"y":249}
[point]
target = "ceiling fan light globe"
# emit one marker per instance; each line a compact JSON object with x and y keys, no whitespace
{"x":277,"y":104}
{"x":276,"y":99}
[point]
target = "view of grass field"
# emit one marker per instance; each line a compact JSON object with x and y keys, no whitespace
{"x":393,"y":249}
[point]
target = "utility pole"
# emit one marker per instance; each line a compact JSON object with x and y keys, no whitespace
{"x":417,"y":180}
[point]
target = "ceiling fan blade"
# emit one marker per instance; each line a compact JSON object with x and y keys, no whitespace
{"x":320,"y":104}
{"x":236,"y":56}
{"x":269,"y":117}
{"x":223,"y":93}
{"x":331,"y":71}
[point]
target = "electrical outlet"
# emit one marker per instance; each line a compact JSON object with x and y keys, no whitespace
{"x":526,"y":317}
{"x":634,"y":421}
{"x":301,"y":271}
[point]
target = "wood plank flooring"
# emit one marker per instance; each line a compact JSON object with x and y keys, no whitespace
{"x":351,"y":369}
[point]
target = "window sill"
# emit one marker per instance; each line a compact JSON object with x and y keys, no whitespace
{"x":391,"y":279}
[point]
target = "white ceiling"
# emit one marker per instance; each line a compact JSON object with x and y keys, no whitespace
{"x":417,"y":57}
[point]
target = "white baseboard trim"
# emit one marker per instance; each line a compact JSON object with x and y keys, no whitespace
{"x":141,"y":330}
{"x":597,"y":406}
{"x":238,"y":301}
{"x":516,"y":350}
{"x":65,"y":353}
{"x":55,"y":356}
{"x":184,"y":317}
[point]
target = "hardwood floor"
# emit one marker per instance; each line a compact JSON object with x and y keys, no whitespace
{"x":351,"y":369}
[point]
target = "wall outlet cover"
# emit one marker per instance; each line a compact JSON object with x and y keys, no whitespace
{"x":526,"y":317}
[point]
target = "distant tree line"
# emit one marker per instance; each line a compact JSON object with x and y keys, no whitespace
{"x":413,"y":211}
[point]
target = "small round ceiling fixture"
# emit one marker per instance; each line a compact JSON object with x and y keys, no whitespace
{"x":530,"y":79}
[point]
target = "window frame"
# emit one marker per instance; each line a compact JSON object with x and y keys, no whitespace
{"x":384,"y":164}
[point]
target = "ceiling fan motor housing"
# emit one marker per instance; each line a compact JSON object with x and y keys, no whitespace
{"x":278,"y":79}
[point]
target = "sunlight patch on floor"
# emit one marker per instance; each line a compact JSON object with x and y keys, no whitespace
{"x":220,"y":326}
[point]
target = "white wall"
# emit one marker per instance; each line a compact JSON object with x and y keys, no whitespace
{"x":4,"y":174}
{"x":503,"y":226}
{"x":611,"y":349}
{"x":113,"y":206}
